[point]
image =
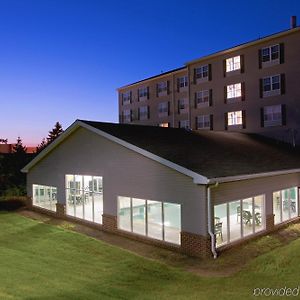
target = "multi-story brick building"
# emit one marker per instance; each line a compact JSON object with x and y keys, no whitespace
{"x":253,"y":87}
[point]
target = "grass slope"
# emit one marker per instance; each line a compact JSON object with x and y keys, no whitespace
{"x":40,"y":261}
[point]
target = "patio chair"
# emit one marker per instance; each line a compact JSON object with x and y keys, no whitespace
{"x":247,"y":217}
{"x":257,"y":218}
{"x":218,"y":230}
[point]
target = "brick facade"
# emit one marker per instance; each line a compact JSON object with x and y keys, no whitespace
{"x":195,"y":245}
{"x":109,"y":223}
{"x":270,"y":223}
{"x":60,"y":209}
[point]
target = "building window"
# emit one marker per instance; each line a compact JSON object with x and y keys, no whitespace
{"x":271,"y":83}
{"x":203,"y":122}
{"x":84,"y":197}
{"x":182,"y":105}
{"x":201,"y":72}
{"x":127,"y":115}
{"x":285,"y":205}
{"x":143,"y":92}
{"x":237,"y":219}
{"x":158,"y":220}
{"x":182,"y":82}
{"x":270,"y":53}
{"x":184,"y":124}
{"x":166,"y":124}
{"x":272,"y":115}
{"x":233,"y":63}
{"x":202,"y":98}
{"x":126,"y":97}
{"x":162,"y":87}
{"x":44,"y":196}
{"x":234,"y":118}
{"x":143,"y":112}
{"x":163,"y":108}
{"x":234,"y":90}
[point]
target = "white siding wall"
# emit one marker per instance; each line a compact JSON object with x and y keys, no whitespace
{"x":242,"y":189}
{"x":125,"y":173}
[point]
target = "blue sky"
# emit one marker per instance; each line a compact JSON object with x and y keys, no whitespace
{"x":63,"y":59}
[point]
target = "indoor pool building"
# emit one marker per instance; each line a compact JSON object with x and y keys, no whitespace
{"x":194,"y":192}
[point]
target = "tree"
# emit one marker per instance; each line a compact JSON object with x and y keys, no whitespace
{"x":12,"y":164}
{"x":3,"y":141}
{"x":18,"y":148}
{"x":40,"y":147}
{"x":54,"y":133}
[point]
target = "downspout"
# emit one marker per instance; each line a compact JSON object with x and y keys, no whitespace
{"x":209,"y":220}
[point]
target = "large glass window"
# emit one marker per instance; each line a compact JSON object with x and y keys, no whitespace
{"x":124,"y":213}
{"x":221,"y":224}
{"x":237,"y":219}
{"x":154,"y":211}
{"x":84,"y":197}
{"x":172,"y":222}
{"x":44,"y":196}
{"x":139,"y":216}
{"x":285,"y":205}
{"x":158,"y":220}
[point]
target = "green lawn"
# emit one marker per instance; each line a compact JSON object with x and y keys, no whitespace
{"x":40,"y":261}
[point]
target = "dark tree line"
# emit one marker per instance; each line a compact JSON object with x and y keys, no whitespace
{"x":12,"y":180}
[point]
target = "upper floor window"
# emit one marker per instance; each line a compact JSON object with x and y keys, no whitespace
{"x":272,"y":115}
{"x":202,"y":98}
{"x":127,"y":114}
{"x":271,"y":83}
{"x":182,"y":105}
{"x":234,"y":90}
{"x":235,"y":118}
{"x":182,"y":82}
{"x":184,"y":124}
{"x":270,"y":53}
{"x":126,"y":98}
{"x":143,"y":112}
{"x":204,"y":122}
{"x":162,"y":87}
{"x":201,"y":72}
{"x":233,"y":63}
{"x":163,"y":108}
{"x":143,"y":92}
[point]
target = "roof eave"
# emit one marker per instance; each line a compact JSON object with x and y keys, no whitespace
{"x":251,"y":176}
{"x":244,"y":45}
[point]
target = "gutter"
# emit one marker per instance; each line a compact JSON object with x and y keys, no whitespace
{"x":209,"y":220}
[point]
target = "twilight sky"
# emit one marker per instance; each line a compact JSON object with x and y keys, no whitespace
{"x":62,"y":60}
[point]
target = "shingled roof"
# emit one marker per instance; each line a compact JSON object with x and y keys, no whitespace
{"x":209,"y":153}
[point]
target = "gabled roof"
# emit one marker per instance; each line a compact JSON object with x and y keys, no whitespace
{"x":205,"y":156}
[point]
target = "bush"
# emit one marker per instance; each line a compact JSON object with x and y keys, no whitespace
{"x":12,"y":203}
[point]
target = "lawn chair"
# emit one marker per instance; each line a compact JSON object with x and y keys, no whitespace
{"x":218,"y":230}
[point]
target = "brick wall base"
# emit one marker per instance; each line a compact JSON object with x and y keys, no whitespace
{"x":195,"y":245}
{"x":270,"y":223}
{"x":109,"y":223}
{"x":60,"y":209}
{"x":28,"y":202}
